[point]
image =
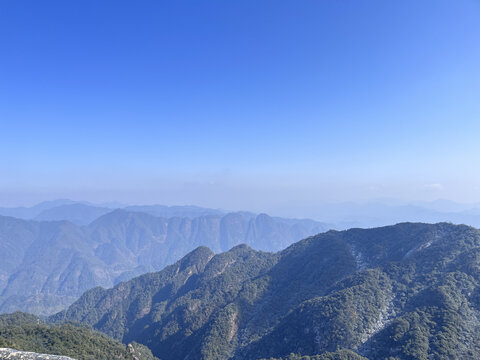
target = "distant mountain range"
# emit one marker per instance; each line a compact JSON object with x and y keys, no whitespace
{"x":409,"y":291}
{"x":46,"y":265}
{"x":83,"y":213}
{"x":339,"y":216}
{"x":52,"y":252}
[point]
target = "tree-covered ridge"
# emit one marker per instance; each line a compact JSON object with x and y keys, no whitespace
{"x":408,"y":291}
{"x":26,"y":332}
{"x":18,"y":318}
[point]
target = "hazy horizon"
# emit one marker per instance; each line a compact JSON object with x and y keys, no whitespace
{"x":333,"y":212}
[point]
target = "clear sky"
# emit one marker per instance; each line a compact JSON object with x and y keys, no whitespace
{"x":239,"y":104}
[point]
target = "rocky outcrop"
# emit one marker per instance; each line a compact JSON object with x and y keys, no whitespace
{"x":24,"y":355}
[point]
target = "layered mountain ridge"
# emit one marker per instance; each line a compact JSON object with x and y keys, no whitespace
{"x":409,"y":291}
{"x":46,"y":265}
{"x":340,"y":215}
{"x":83,"y":213}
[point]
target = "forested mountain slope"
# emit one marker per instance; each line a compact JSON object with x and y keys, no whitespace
{"x":408,"y":291}
{"x":37,"y":340}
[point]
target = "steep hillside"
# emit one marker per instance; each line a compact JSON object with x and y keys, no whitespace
{"x":408,"y":291}
{"x":45,"y":266}
{"x":27,"y":333}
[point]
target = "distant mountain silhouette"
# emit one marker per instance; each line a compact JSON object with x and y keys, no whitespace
{"x":80,"y":214}
{"x":29,"y":213}
{"x":345,"y":215}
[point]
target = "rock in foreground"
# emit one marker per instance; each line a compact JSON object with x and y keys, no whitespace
{"x":24,"y":355}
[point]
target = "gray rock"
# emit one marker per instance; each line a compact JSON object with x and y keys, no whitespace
{"x":24,"y":355}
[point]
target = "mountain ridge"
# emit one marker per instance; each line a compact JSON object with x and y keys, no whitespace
{"x":46,"y":265}
{"x":341,"y":215}
{"x":406,"y":291}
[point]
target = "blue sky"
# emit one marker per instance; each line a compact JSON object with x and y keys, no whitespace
{"x":239,"y":104}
